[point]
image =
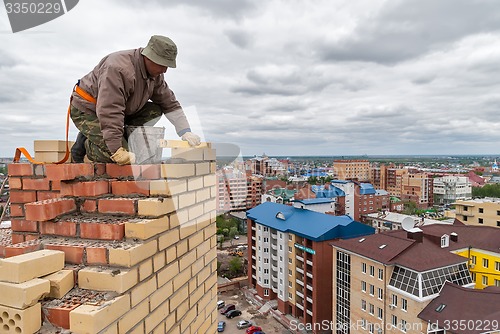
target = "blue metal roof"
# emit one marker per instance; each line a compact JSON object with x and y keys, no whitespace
{"x":315,"y":200}
{"x":306,"y":223}
{"x":366,"y":189}
{"x":332,"y":192}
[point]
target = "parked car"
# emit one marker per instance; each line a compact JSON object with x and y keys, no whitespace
{"x":253,"y":329}
{"x":227,"y":308}
{"x":236,"y":237}
{"x":243,"y":324}
{"x":233,"y":313}
{"x":220,"y":304}
{"x":221,"y":326}
{"x":259,"y":332}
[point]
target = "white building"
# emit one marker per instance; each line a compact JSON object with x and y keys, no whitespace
{"x":448,"y":189}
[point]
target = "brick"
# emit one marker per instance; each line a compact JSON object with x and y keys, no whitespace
{"x":89,"y":206}
{"x":73,"y":253}
{"x":102,"y":231}
{"x":167,"y":187}
{"x":168,"y":273}
{"x":133,"y":317}
{"x":49,"y":209}
{"x":160,"y":295}
{"x":68,"y":171}
{"x":187,"y":260}
{"x":188,"y":319}
{"x":150,"y":172}
{"x":17,"y":238}
{"x":203,"y":195}
{"x":209,"y":154}
{"x":36,"y":184}
{"x":44,"y":195}
{"x":15,"y":183}
{"x":155,"y":207}
{"x":168,"y":239}
{"x":93,"y":318}
{"x":130,"y":187}
{"x":20,"y":169}
{"x":187,"y":199}
{"x":158,"y":261}
{"x":195,"y":211}
{"x":202,"y":168}
{"x":188,"y":154}
{"x":20,"y":196}
{"x":60,"y":282}
{"x":17,"y":321}
{"x":50,"y":157}
{"x":181,"y":279}
{"x":209,"y":180}
{"x":24,"y":247}
{"x":107,"y":279}
{"x":85,"y":189}
{"x":23,"y":295}
{"x":16,"y":210}
{"x":182,"y":247}
{"x":145,"y":269}
{"x":132,"y":255}
{"x":118,"y":171}
{"x":195,"y":183}
{"x":21,"y":225}
{"x":170,"y":254}
{"x":62,"y":228}
{"x":96,"y":255}
{"x":51,"y":145}
{"x":55,"y":184}
{"x":178,"y":297}
{"x":145,"y":228}
{"x":142,"y":290}
{"x":117,"y":205}
{"x":177,"y":170}
{"x":156,"y":317}
{"x":25,"y":267}
{"x":39,"y":170}
{"x":59,"y":316}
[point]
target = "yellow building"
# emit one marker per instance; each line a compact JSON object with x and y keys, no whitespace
{"x":482,"y":212}
{"x":352,"y":169}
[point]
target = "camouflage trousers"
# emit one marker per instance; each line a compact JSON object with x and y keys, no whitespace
{"x":89,"y":126}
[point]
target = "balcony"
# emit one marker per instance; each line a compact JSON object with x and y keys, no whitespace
{"x":309,"y":312}
{"x":274,"y":268}
{"x":274,"y":236}
{"x":274,"y":257}
{"x":299,"y":282}
{"x":273,"y":246}
{"x":300,"y":294}
{"x":309,"y":300}
{"x":309,"y":262}
{"x":308,"y":286}
{"x":274,"y":279}
{"x":299,"y":306}
{"x":253,"y":238}
{"x":299,"y":270}
{"x":300,"y":258}
{"x":309,"y":275}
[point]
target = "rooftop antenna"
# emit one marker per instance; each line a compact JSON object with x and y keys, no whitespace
{"x":408,"y":223}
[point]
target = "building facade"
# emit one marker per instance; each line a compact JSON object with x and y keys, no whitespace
{"x":358,"y":170}
{"x":449,"y":189}
{"x":480,"y":212}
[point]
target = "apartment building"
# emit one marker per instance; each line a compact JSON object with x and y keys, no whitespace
{"x":266,"y":166}
{"x":418,"y":188}
{"x":388,"y":177}
{"x":290,"y":255}
{"x":449,"y":189}
{"x":358,"y":170}
{"x":384,"y":281}
{"x":388,"y":221}
{"x":481,"y":212}
{"x":236,"y":191}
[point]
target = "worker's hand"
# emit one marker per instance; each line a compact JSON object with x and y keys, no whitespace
{"x":123,"y":157}
{"x":191,"y":138}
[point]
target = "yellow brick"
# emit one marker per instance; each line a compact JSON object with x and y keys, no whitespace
{"x":188,"y":229}
{"x":49,"y":156}
{"x":51,"y":145}
{"x":171,"y":253}
{"x":188,"y":319}
{"x":195,"y":183}
{"x":155,"y":207}
{"x":205,"y":327}
{"x":181,"y":310}
{"x":145,"y":228}
{"x":196,"y":267}
{"x":167,"y":273}
{"x":203,"y":249}
{"x":209,"y":180}
{"x":195,"y":240}
{"x":181,"y":279}
{"x":209,"y":231}
{"x":178,"y":218}
{"x":203,"y":275}
{"x":196,"y":211}
{"x":145,"y":269}
{"x":61,"y":283}
{"x":17,"y":321}
{"x":189,"y":154}
{"x":142,"y":291}
{"x":170,"y":325}
{"x":111,"y":329}
{"x":213,"y":192}
{"x":167,"y":187}
{"x":210,"y":256}
{"x":202,"y":195}
{"x":187,"y":260}
{"x":133,"y":317}
{"x":160,"y":329}
{"x":128,"y":257}
{"x":182,"y":247}
{"x":23,"y":295}
{"x":22,"y":268}
{"x":203,"y":221}
{"x":90,"y":319}
{"x":195,"y":296}
{"x":178,"y":297}
{"x":138,"y":329}
{"x":209,"y":206}
{"x":107,"y":279}
{"x":202,"y":168}
{"x":168,"y":238}
{"x":187,"y":199}
{"x":210,"y":283}
{"x":156,"y":317}
{"x":192,"y":285}
{"x":213,"y":241}
{"x":159,"y":261}
{"x":213,"y":167}
{"x":177,"y":170}
{"x":209,"y":154}
{"x":160,"y":295}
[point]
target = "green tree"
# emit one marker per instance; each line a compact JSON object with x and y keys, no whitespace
{"x":489,"y":190}
{"x":410,"y":208}
{"x":235,"y":266}
{"x":232,"y":232}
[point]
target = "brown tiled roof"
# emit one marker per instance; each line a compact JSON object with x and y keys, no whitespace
{"x":482,"y":308}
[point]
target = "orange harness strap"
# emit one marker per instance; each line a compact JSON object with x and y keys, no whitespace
{"x":21,"y":150}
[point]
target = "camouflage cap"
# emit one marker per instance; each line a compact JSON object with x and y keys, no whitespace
{"x":161,"y":50}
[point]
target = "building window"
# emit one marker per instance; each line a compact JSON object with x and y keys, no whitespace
{"x":473,"y":259}
{"x":404,"y":304}
{"x":290,"y":272}
{"x":372,"y":271}
{"x":372,"y":309}
{"x":485,"y":280}
{"x":497,"y":282}
{"x":266,"y":281}
{"x":266,"y":271}
{"x":289,"y":237}
{"x":394,"y":320}
{"x":465,"y":218}
{"x":363,"y":304}
{"x":481,"y":210}
{"x":498,"y":223}
{"x":380,"y":312}
{"x":380,"y":274}
{"x":372,"y":290}
{"x":266,"y":260}
{"x":363,"y":286}
{"x":380,"y":294}
{"x":266,"y":292}
{"x":485,"y":263}
{"x":370,"y":328}
{"x":497,"y":266}
{"x":290,"y":284}
{"x":289,"y":260}
{"x":290,"y":295}
{"x":480,"y":220}
{"x":403,"y":325}
{"x":266,"y":229}
{"x":289,"y":249}
{"x":473,"y":275}
{"x":498,"y":212}
{"x":363,"y":323}
{"x":394,"y":300}
{"x":363,"y":268}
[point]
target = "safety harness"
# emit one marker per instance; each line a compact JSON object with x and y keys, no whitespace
{"x":21,"y":150}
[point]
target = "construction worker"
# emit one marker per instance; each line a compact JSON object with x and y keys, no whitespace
{"x":125,"y":88}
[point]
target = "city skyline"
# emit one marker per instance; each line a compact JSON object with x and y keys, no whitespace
{"x":342,"y":78}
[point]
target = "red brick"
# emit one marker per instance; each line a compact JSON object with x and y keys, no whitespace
{"x":151,"y":172}
{"x":20,"y":169}
{"x":17,"y":238}
{"x":44,"y":195}
{"x":15,"y":183}
{"x":59,"y":316}
{"x":102,"y":231}
{"x":19,"y":196}
{"x":22,"y":248}
{"x":115,"y":170}
{"x":68,"y":171}
{"x":39,"y":170}
{"x":31,"y":236}
{"x":85,"y":189}
{"x":89,"y":205}
{"x":55,"y":184}
{"x":21,"y":225}
{"x":96,"y":255}
{"x":49,"y":209}
{"x":17,"y":210}
{"x":36,"y":184}
{"x":99,"y":169}
{"x":130,"y":187}
{"x":73,"y":253}
{"x":117,"y":205}
{"x":63,"y":228}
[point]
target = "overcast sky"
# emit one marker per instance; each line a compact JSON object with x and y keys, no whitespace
{"x":294,"y":77}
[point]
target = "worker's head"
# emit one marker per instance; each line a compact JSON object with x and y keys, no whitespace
{"x":161,"y":51}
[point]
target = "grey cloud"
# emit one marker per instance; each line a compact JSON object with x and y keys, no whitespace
{"x":406,"y":29}
{"x":240,"y":38}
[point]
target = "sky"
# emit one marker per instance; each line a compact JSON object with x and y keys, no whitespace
{"x":284,"y":78}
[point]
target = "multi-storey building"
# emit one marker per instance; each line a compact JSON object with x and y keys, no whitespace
{"x":266,"y":166}
{"x":482,"y":212}
{"x":290,"y":255}
{"x":417,"y":188}
{"x":237,"y":191}
{"x":358,"y":170}
{"x":384,"y":281}
{"x":387,"y":221}
{"x":448,"y":189}
{"x":388,"y":178}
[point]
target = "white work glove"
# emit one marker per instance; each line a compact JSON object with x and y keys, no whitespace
{"x":123,"y":157}
{"x":191,"y":138}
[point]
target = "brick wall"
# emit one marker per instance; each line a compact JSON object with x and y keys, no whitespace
{"x":132,"y":248}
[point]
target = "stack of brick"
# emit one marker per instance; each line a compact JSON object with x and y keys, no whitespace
{"x":51,"y":150}
{"x":139,"y":241}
